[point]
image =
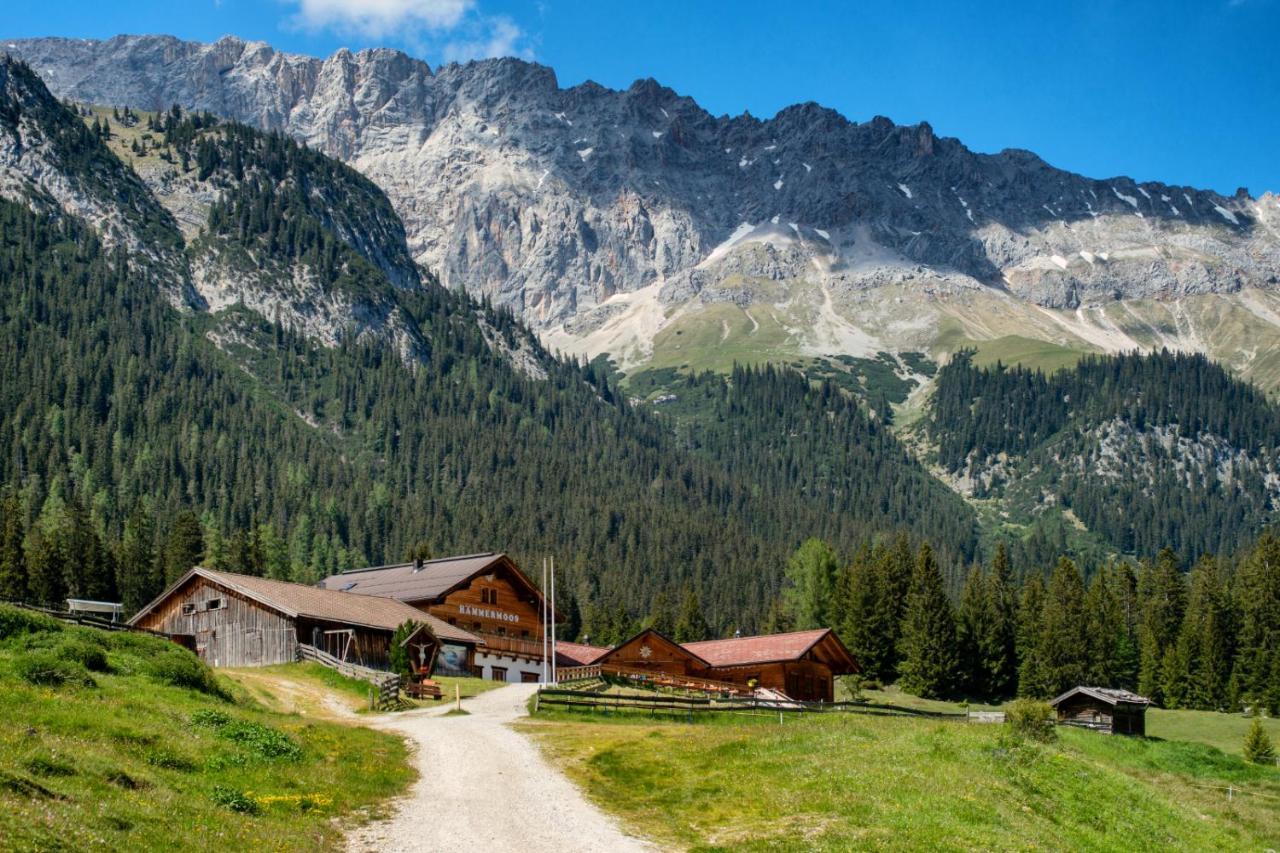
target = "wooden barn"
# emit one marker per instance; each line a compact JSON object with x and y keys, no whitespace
{"x":486,"y":594}
{"x":240,"y":620}
{"x":801,"y":664}
{"x":1103,"y":709}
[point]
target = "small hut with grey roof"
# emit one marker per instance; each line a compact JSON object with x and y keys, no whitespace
{"x":1103,"y":709}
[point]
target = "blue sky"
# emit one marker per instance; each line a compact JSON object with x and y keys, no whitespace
{"x":1184,"y":92}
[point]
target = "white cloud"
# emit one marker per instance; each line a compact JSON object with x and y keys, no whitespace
{"x":499,"y":37}
{"x":453,"y":30}
{"x":381,"y":18}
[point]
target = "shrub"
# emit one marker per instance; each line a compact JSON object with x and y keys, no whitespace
{"x":1031,"y":718}
{"x":263,"y":740}
{"x":15,"y":620}
{"x":88,"y":655}
{"x":1257,"y":744}
{"x":211,"y":717}
{"x":233,"y":799}
{"x":180,"y":668}
{"x":46,"y":668}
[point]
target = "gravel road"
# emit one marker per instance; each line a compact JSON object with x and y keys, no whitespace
{"x":485,"y":787}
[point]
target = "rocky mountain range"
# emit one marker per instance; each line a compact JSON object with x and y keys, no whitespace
{"x":635,"y":223}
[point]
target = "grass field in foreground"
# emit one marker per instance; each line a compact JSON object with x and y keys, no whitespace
{"x":856,"y":782}
{"x":140,"y":747}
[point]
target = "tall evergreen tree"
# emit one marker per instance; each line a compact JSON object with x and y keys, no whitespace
{"x":662,"y":617}
{"x":930,"y":661}
{"x":973,"y":625}
{"x":1031,"y":681}
{"x":139,"y":577}
{"x":1256,"y":678}
{"x":1206,"y":641}
{"x":1063,"y":643}
{"x":811,"y":579}
{"x":1162,"y":596}
{"x":13,"y":562}
{"x":184,"y":546}
{"x":691,"y":626}
{"x":999,"y":647}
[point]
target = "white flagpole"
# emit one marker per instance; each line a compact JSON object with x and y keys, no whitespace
{"x":554,"y":679}
{"x":543,"y":613}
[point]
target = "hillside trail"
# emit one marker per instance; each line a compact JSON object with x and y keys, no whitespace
{"x":485,"y":787}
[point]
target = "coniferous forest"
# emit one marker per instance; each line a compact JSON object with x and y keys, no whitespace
{"x":143,"y":435}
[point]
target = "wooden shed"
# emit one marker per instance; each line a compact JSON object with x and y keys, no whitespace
{"x":1103,"y":709}
{"x":240,"y":620}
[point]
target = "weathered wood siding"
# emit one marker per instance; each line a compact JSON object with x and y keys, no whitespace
{"x":369,"y":647}
{"x":241,"y":632}
{"x":1088,"y":712}
{"x":804,"y":680}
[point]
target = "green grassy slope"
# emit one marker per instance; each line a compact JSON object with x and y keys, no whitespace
{"x":853,"y":782}
{"x":126,"y":742}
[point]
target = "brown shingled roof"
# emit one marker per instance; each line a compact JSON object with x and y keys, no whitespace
{"x":295,"y":599}
{"x":752,"y":650}
{"x":411,"y":581}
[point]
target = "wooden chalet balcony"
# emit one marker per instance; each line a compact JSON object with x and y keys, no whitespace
{"x":510,"y":645}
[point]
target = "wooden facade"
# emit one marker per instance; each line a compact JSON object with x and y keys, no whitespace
{"x":225,"y":627}
{"x":801,"y":665}
{"x":238,"y":620}
{"x":497,"y":606}
{"x":1104,"y":710}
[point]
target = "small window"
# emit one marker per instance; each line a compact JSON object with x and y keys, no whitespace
{"x":188,"y":608}
{"x":524,"y":635}
{"x":215,"y":604}
{"x":475,"y":626}
{"x":453,"y":620}
{"x":499,"y":673}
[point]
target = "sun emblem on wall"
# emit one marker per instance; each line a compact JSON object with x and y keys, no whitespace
{"x":646,"y":652}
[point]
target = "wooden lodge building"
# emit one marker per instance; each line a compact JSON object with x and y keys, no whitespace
{"x":240,"y":620}
{"x":1103,"y":709}
{"x":801,"y":664}
{"x":487,"y":595}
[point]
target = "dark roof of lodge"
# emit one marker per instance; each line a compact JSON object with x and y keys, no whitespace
{"x":1110,"y":695}
{"x":411,"y":581}
{"x":769,"y":648}
{"x":577,"y":654}
{"x":295,"y":599}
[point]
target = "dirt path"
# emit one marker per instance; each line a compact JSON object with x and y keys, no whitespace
{"x":485,"y":787}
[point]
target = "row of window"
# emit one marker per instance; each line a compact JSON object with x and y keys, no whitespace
{"x":212,"y":604}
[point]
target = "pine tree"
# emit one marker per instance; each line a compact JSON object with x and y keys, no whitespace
{"x":973,"y":625}
{"x":184,"y":546}
{"x":1257,"y":744}
{"x":930,"y":661}
{"x":999,"y":647}
{"x":1031,"y":681}
{"x":691,"y":626}
{"x":1063,"y":640}
{"x":868,"y":622}
{"x":138,"y":572}
{"x":1256,"y":677}
{"x":1161,"y":601}
{"x":13,"y":562}
{"x":1206,"y":642}
{"x":662,"y":617}
{"x":810,"y":590}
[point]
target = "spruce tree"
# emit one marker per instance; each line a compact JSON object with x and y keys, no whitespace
{"x":1031,"y":681}
{"x":929,"y":659}
{"x":691,"y":626}
{"x":1063,"y":641}
{"x":662,"y":617}
{"x":1161,"y":602}
{"x":869,"y":620}
{"x":184,"y":546}
{"x":1205,"y":645}
{"x":999,"y":647}
{"x":13,"y":562}
{"x":138,"y":572}
{"x":973,"y":625}
{"x":1257,"y":664}
{"x":1257,"y":744}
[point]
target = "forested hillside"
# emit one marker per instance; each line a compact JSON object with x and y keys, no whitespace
{"x":139,"y":439}
{"x":1147,"y":451}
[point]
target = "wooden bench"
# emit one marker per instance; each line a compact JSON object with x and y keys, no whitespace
{"x":423,"y":689}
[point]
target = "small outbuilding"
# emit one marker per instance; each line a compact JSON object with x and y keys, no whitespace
{"x":1103,"y":709}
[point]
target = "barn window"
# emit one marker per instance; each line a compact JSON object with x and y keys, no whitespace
{"x":188,"y":608}
{"x":215,"y":604}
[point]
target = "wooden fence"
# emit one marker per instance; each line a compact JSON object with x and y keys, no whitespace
{"x":385,"y":690}
{"x":87,"y":620}
{"x":687,"y":706}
